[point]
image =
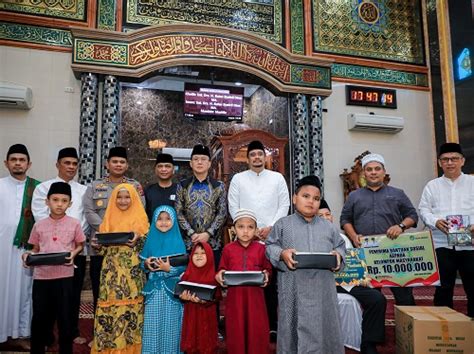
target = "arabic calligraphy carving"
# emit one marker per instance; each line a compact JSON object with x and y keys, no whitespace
{"x":150,"y":49}
{"x":379,"y":75}
{"x":146,"y":51}
{"x":310,"y":76}
{"x":35,"y":34}
{"x":260,"y":16}
{"x":113,"y":53}
{"x":68,"y":9}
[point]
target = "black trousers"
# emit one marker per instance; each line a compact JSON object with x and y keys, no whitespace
{"x":373,"y":303}
{"x":52,"y":299}
{"x":78,"y":282}
{"x":94,"y":272}
{"x":271,"y":300}
{"x":403,"y":296}
{"x":450,"y":262}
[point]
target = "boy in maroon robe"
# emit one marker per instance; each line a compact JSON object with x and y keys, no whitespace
{"x":246,"y":318}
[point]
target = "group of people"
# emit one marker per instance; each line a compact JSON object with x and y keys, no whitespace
{"x":133,"y":284}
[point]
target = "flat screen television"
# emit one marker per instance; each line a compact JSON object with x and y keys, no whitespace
{"x":212,"y":102}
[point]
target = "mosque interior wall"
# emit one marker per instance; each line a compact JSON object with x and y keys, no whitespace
{"x":53,"y":122}
{"x":409,"y":154}
{"x":149,"y":114}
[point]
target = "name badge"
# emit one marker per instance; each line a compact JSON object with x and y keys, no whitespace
{"x":173,"y":197}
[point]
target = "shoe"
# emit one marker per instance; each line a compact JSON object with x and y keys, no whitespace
{"x":50,"y":339}
{"x":80,"y":340}
{"x":273,"y":336}
{"x":23,"y":343}
{"x":368,"y":348}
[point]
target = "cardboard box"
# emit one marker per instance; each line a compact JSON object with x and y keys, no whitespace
{"x":426,"y":329}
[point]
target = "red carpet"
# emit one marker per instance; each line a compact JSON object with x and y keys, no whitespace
{"x":423,"y":296}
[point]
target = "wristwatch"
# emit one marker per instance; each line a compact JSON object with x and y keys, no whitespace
{"x":402,"y":226}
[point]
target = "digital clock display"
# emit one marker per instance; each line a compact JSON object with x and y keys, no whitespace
{"x":371,"y":96}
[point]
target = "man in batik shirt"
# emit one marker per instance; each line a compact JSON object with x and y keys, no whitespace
{"x":201,"y":204}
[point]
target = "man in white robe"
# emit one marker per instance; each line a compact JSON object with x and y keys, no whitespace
{"x":265,"y":193}
{"x":15,"y":225}
{"x":261,"y":190}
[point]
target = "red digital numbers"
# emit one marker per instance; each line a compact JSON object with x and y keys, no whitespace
{"x":371,"y":96}
{"x":365,"y":96}
{"x":357,"y":95}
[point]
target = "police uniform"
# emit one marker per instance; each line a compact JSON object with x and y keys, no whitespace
{"x":95,"y":203}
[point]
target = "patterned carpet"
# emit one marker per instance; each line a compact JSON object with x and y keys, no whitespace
{"x":423,"y":297}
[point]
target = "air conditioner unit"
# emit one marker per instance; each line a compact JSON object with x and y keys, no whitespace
{"x":15,"y":96}
{"x":374,"y":123}
{"x":178,"y":154}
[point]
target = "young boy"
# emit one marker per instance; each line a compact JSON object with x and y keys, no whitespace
{"x":372,"y":301}
{"x":246,"y":320}
{"x":308,"y":318}
{"x":52,"y":285}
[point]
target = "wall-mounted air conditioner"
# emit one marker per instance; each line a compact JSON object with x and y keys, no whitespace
{"x":178,"y":153}
{"x":374,"y":123}
{"x":15,"y":96}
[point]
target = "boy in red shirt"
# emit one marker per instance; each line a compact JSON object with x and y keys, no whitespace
{"x":246,"y":320}
{"x":52,"y":284}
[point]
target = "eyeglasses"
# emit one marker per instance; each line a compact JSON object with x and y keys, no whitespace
{"x":453,"y":159}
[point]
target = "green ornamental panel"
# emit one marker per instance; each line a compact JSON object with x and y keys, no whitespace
{"x":377,"y":29}
{"x":106,"y":11}
{"x":263,"y":17}
{"x":308,"y":76}
{"x":100,"y":52}
{"x":388,"y":76}
{"x":297,"y":26}
{"x":35,"y":34}
{"x":74,"y":10}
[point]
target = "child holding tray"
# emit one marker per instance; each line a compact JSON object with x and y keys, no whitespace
{"x":308,"y":318}
{"x":52,"y":284}
{"x":246,"y":320}
{"x":199,"y":332}
{"x":119,"y":314}
{"x":163,"y":312}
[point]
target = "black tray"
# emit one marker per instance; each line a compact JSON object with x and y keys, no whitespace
{"x":55,"y":258}
{"x":114,"y":238}
{"x":248,"y":278}
{"x":308,"y":260}
{"x":202,"y":291}
{"x":177,"y":260}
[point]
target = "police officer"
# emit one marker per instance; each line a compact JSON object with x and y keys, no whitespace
{"x":96,"y":199}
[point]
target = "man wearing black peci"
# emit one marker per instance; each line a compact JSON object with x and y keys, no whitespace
{"x":164,"y":191}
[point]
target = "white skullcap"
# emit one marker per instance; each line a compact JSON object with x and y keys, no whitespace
{"x":244,"y":213}
{"x":373,"y":158}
